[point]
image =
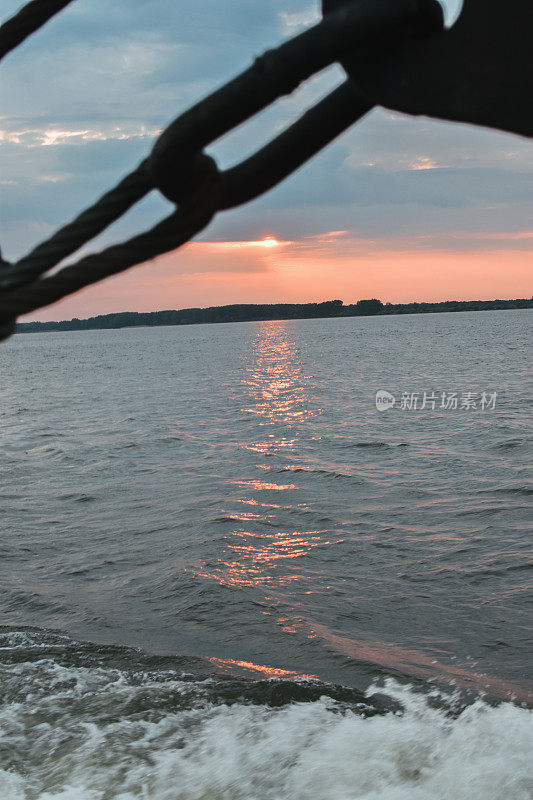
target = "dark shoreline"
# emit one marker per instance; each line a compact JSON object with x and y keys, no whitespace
{"x":263,"y":312}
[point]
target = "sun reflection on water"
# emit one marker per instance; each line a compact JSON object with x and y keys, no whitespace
{"x":231,"y":665}
{"x":262,"y":551}
{"x":275,"y":383}
{"x":259,"y":559}
{"x":258,"y":484}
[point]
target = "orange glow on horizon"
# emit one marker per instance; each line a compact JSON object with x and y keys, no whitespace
{"x":336,"y":264}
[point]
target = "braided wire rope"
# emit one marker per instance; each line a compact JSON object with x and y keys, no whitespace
{"x":28,"y":20}
{"x":179,"y":169}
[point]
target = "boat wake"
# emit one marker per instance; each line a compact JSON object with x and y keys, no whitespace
{"x":86,"y":722}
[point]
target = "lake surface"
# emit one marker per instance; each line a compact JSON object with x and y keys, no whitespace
{"x":185,"y":509}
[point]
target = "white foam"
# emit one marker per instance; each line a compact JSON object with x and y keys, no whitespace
{"x":81,"y":741}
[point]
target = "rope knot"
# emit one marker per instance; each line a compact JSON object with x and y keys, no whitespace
{"x":189,"y":184}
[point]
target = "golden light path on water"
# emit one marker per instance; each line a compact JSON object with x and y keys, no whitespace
{"x":274,"y":388}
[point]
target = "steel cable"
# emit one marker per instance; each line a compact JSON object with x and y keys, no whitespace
{"x":28,"y":20}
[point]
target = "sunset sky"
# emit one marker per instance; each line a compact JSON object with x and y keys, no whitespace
{"x":397,"y":208}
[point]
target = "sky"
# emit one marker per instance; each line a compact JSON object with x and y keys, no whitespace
{"x":397,"y":208}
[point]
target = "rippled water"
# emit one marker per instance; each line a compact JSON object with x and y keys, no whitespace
{"x":227,"y":500}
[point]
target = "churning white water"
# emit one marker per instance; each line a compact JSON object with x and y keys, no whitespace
{"x":71,"y":733}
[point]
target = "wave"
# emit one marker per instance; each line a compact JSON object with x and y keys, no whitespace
{"x":527,"y":490}
{"x":372,"y":445}
{"x":95,"y":731}
{"x":510,"y":444}
{"x":329,"y":473}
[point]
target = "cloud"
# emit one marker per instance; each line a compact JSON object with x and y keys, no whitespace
{"x":294,"y":22}
{"x":37,"y":137}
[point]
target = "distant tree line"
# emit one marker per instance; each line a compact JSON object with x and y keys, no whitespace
{"x":247,"y":312}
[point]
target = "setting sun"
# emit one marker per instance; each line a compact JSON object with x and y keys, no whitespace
{"x":269,"y":241}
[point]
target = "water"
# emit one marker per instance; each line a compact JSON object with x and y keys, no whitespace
{"x":225,"y":574}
